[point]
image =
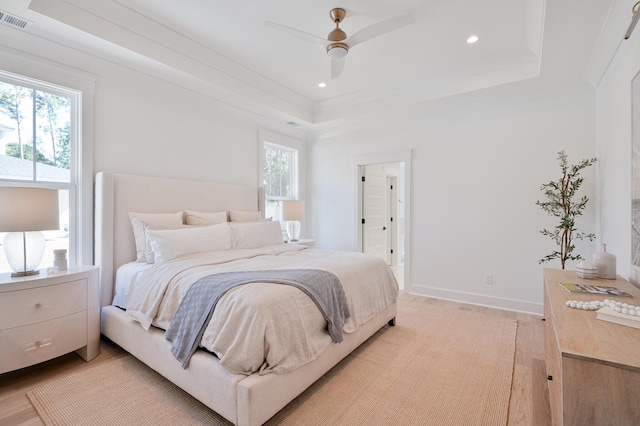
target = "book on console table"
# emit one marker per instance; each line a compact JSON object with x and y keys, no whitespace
{"x":608,"y":314}
{"x":594,"y":289}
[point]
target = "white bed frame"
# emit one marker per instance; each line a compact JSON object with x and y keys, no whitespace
{"x":244,"y":400}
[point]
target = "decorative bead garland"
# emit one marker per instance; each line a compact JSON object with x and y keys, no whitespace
{"x":623,"y":308}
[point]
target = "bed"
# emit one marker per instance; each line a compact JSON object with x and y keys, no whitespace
{"x":243,"y":394}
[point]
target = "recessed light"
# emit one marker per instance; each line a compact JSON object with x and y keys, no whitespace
{"x":472,"y":39}
{"x":322,"y":84}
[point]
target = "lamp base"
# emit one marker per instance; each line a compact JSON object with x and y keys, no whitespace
{"x":293,"y":230}
{"x":24,"y":273}
{"x":24,"y":252}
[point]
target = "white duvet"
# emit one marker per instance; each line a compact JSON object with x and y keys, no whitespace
{"x":270,"y":328}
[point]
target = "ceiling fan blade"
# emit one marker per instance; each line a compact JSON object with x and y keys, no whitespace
{"x":299,"y":34}
{"x":337,"y":65}
{"x":380,"y":28}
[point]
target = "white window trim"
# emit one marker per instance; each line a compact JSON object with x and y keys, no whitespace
{"x":274,"y":138}
{"x":296,"y":173}
{"x":81,"y":198}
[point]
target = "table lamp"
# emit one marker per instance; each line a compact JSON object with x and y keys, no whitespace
{"x":293,"y":213}
{"x":24,"y":212}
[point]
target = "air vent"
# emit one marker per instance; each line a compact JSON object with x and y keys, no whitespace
{"x":14,"y":21}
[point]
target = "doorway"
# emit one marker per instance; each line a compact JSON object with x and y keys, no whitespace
{"x":383,"y":210}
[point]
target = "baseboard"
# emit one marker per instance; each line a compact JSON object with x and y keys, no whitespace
{"x":476,"y":299}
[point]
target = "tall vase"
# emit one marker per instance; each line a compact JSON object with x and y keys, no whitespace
{"x":606,"y":264}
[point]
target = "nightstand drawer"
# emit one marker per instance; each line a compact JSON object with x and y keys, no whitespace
{"x":30,"y":306}
{"x":31,"y":344}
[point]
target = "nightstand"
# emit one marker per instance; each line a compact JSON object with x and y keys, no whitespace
{"x":47,"y":315}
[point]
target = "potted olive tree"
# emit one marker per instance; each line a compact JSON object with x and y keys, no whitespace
{"x":564,"y":204}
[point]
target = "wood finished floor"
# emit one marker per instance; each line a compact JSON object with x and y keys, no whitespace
{"x":529,"y":403}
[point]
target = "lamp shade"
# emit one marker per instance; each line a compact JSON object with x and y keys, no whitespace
{"x":293,"y":210}
{"x":28,"y":209}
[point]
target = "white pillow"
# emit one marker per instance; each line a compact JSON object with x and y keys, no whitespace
{"x":148,"y":251}
{"x":168,"y":244}
{"x":205,"y":218}
{"x":240,"y":216}
{"x":256,"y":234}
{"x":165,"y":220}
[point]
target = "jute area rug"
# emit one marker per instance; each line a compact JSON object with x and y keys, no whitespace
{"x":436,"y":367}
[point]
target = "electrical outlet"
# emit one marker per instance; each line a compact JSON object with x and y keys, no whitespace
{"x":488,"y":278}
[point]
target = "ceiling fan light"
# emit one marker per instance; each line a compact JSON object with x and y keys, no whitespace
{"x":337,"y":50}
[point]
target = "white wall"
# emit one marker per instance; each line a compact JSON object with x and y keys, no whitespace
{"x":475,"y":180}
{"x":614,"y":150}
{"x":149,"y":127}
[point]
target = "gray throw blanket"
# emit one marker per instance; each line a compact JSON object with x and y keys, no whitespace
{"x":191,"y":318}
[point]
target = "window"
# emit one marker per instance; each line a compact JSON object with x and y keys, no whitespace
{"x":282,"y":166}
{"x":280,"y":177}
{"x":38,"y":139}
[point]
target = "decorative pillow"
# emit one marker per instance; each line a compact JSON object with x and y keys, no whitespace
{"x":256,"y":234}
{"x":168,"y":244}
{"x":205,"y":218}
{"x":240,"y":216}
{"x":138,"y":220}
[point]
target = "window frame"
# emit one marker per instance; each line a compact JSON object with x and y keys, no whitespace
{"x":295,"y":176}
{"x":267,"y":137}
{"x":81,"y":88}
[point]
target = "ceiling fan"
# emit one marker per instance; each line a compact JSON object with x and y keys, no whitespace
{"x":337,"y":43}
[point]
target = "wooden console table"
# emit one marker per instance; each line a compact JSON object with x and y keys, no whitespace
{"x":593,"y":366}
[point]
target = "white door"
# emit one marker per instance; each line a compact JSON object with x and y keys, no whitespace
{"x":398,"y":165}
{"x":375,"y":208}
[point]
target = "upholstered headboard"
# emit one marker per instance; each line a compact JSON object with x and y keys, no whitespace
{"x":118,"y":194}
